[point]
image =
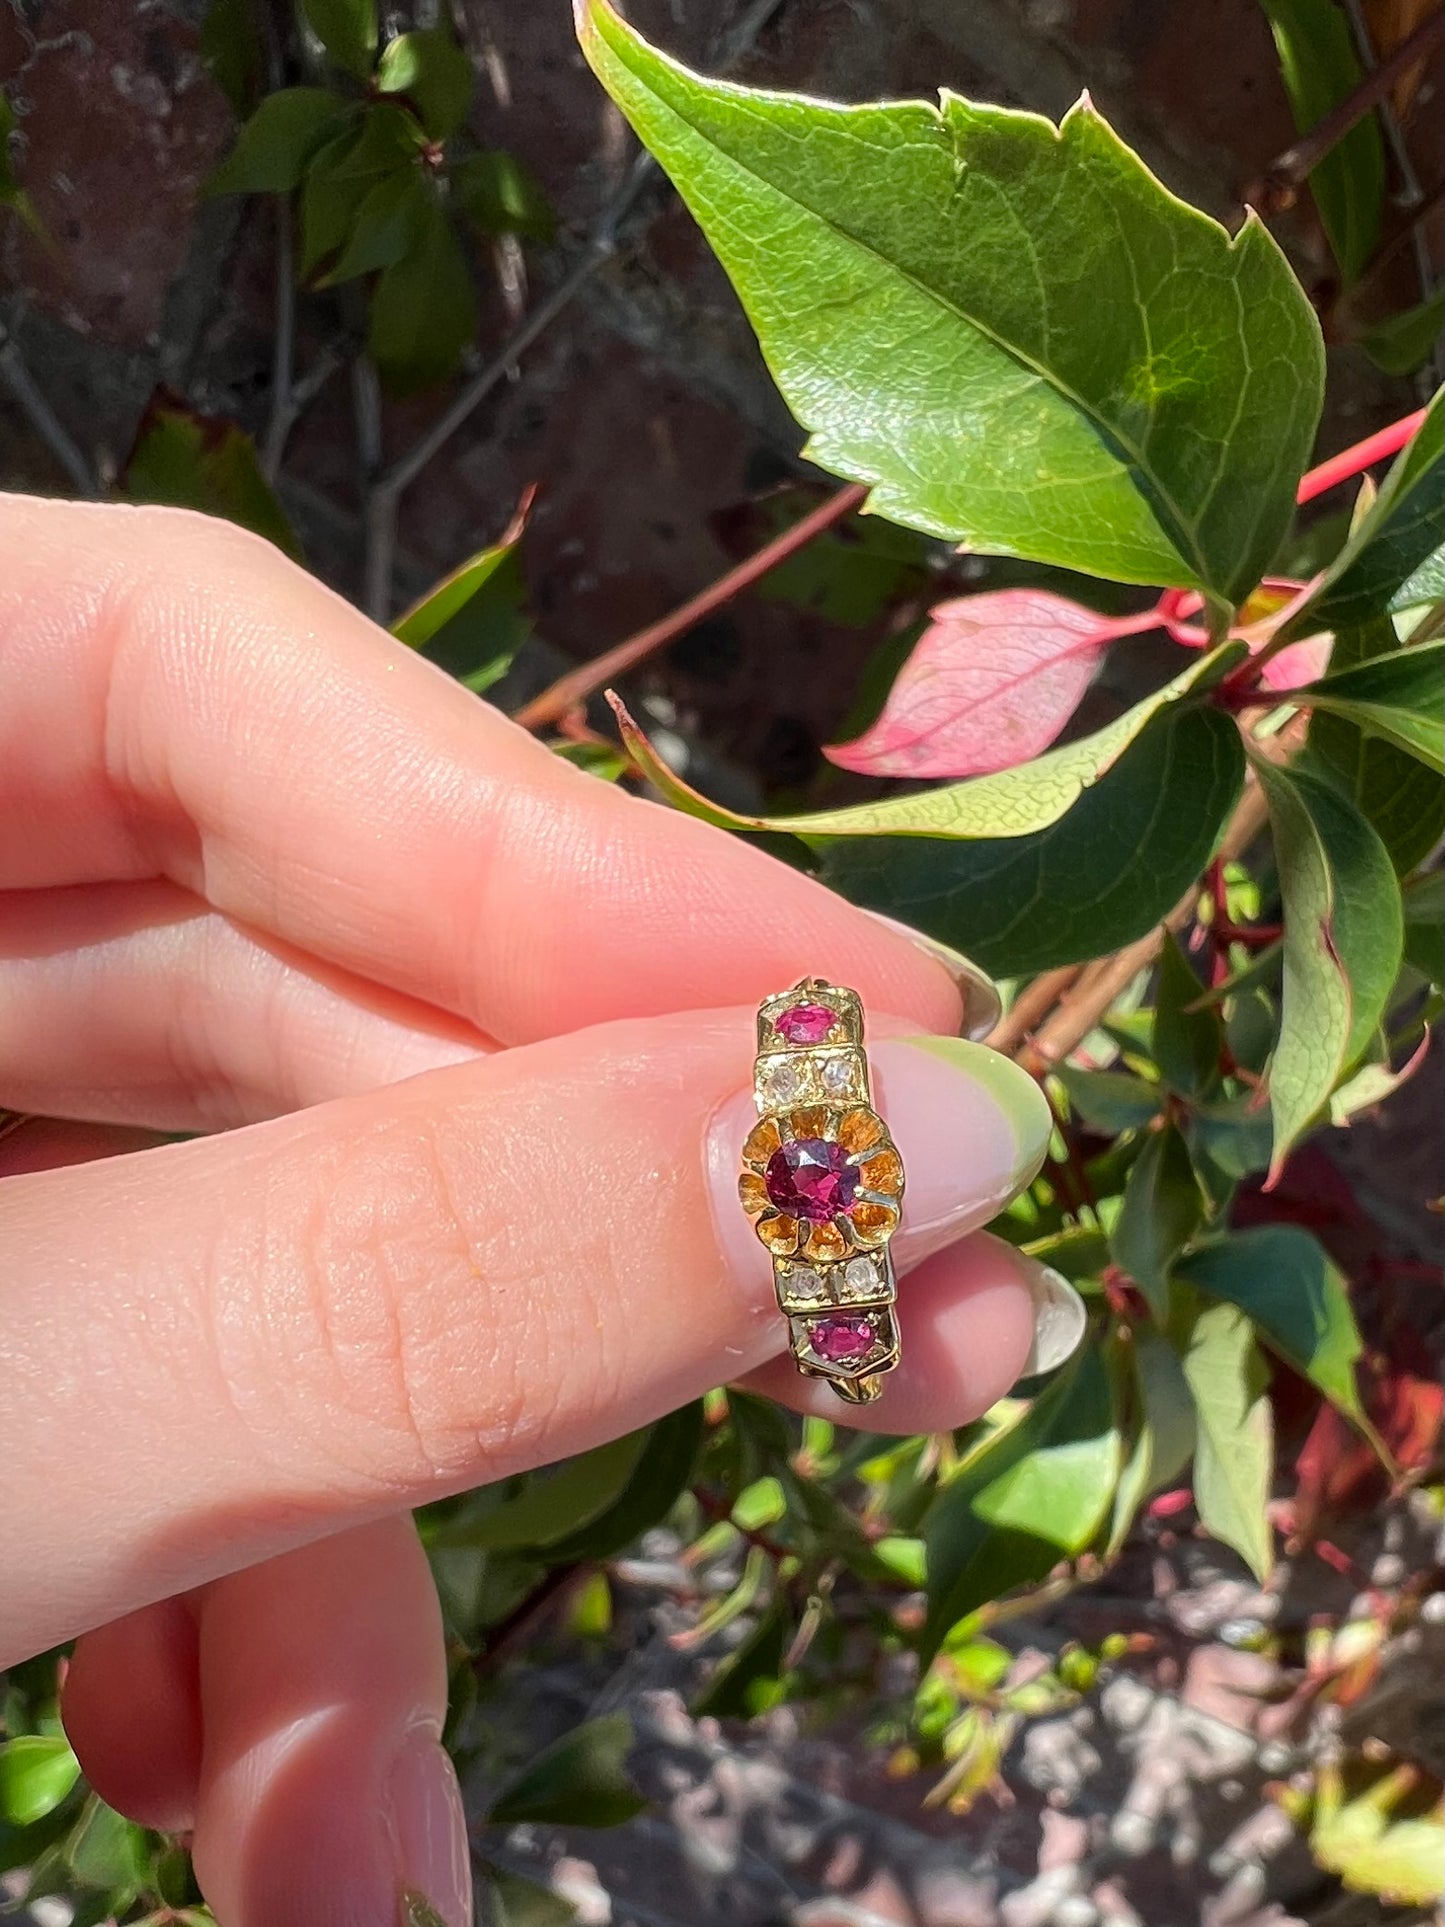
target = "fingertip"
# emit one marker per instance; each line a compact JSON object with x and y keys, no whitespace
{"x":131,"y":1710}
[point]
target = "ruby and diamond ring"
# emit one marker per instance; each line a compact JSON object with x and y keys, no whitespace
{"x":822,"y":1182}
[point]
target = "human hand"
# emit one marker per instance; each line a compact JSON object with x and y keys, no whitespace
{"x":258,"y":865}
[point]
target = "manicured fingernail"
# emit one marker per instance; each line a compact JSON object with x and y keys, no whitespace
{"x":971,"y":1126}
{"x":982,"y":1006}
{"x":1060,"y":1317}
{"x":427,"y":1827}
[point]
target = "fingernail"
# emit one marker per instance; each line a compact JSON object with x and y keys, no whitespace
{"x":427,"y":1827}
{"x":1060,"y":1317}
{"x":972,"y":1129}
{"x":982,"y":1005}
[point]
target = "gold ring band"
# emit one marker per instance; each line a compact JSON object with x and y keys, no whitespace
{"x":822,"y":1182}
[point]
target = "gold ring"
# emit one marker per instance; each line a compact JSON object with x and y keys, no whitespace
{"x":822,"y":1182}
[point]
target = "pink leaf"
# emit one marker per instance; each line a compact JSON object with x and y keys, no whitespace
{"x":991,"y":682}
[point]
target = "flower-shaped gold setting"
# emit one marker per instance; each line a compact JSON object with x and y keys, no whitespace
{"x":797,"y":1165}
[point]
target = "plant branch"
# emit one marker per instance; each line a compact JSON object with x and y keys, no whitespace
{"x":43,"y":418}
{"x":1358,"y":457}
{"x":1283,"y":176}
{"x":283,"y":345}
{"x":578,"y":684}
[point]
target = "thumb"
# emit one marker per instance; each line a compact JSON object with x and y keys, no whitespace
{"x":232,"y":1346}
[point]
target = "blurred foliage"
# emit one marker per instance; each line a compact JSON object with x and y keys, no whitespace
{"x":1081,"y":417}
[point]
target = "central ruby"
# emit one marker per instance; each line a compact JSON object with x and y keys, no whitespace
{"x":805,"y":1023}
{"x":811,"y":1178}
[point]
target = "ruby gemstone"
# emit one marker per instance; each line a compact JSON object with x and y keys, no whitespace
{"x":811,"y":1178}
{"x":805,"y":1023}
{"x":842,"y":1341}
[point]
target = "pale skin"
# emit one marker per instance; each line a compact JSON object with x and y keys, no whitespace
{"x":427,"y":994}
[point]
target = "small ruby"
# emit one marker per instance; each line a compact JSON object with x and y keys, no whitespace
{"x":842,"y":1341}
{"x":805,"y":1023}
{"x":811,"y":1178}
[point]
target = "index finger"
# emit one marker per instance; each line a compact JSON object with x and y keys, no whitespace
{"x":177,"y":699}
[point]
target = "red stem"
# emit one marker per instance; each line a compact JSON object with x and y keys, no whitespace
{"x":1353,"y":461}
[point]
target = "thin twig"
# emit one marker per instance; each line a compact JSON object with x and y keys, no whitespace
{"x":578,"y":684}
{"x":1285,"y":173}
{"x":283,"y":345}
{"x":1031,"y":1006}
{"x":43,"y":419}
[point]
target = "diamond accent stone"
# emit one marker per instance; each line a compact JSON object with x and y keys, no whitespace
{"x":860,"y":1278}
{"x":838,"y":1076}
{"x":785,"y":1083}
{"x":804,"y":1286}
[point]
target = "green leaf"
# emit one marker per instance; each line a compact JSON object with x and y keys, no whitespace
{"x":1103,"y":876}
{"x":230,"y":45}
{"x":417,"y":1911}
{"x":518,"y":1902}
{"x":434,"y":73}
{"x":273,"y":148}
{"x":1399,"y":696}
{"x":549,"y":1504}
{"x":1186,"y":1043}
{"x":347,"y":30}
{"x":579,"y":1781}
{"x":1424,"y":585}
{"x":1282,"y":1279}
{"x":502,"y":196}
{"x":1424,"y":903}
{"x":36,"y":1773}
{"x":1381,"y":1828}
{"x":1161,"y":1212}
{"x":387,"y":218}
{"x":1012,"y":331}
{"x":424,"y":310}
{"x":1234,"y":1454}
{"x":1011,"y":803}
{"x":106,"y":1850}
{"x":1321,"y":67}
{"x":1400,"y":796}
{"x":1034,"y":1496}
{"x":1407,"y":340}
{"x":382,"y":146}
{"x":1396,"y":534}
{"x":475,"y":620}
{"x":732,"y":1692}
{"x":204,"y":462}
{"x":1163,"y":1439}
{"x":1110,"y":1101}
{"x":1228,"y":1141}
{"x":1343,"y":939}
{"x":658,"y":1481}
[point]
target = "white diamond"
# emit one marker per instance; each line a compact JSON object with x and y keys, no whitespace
{"x":860,"y":1278}
{"x":805,"y":1285}
{"x":837,"y":1076}
{"x":785,"y":1083}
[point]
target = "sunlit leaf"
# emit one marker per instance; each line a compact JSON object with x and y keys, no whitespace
{"x":1234,"y":1453}
{"x":1137,"y":403}
{"x":1162,"y":1431}
{"x":546,"y":1505}
{"x":989,"y":684}
{"x":36,"y":1773}
{"x":1380,"y":1825}
{"x":1036,"y":1495}
{"x":1343,"y":938}
{"x":1111,"y":1101}
{"x":473,"y":622}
